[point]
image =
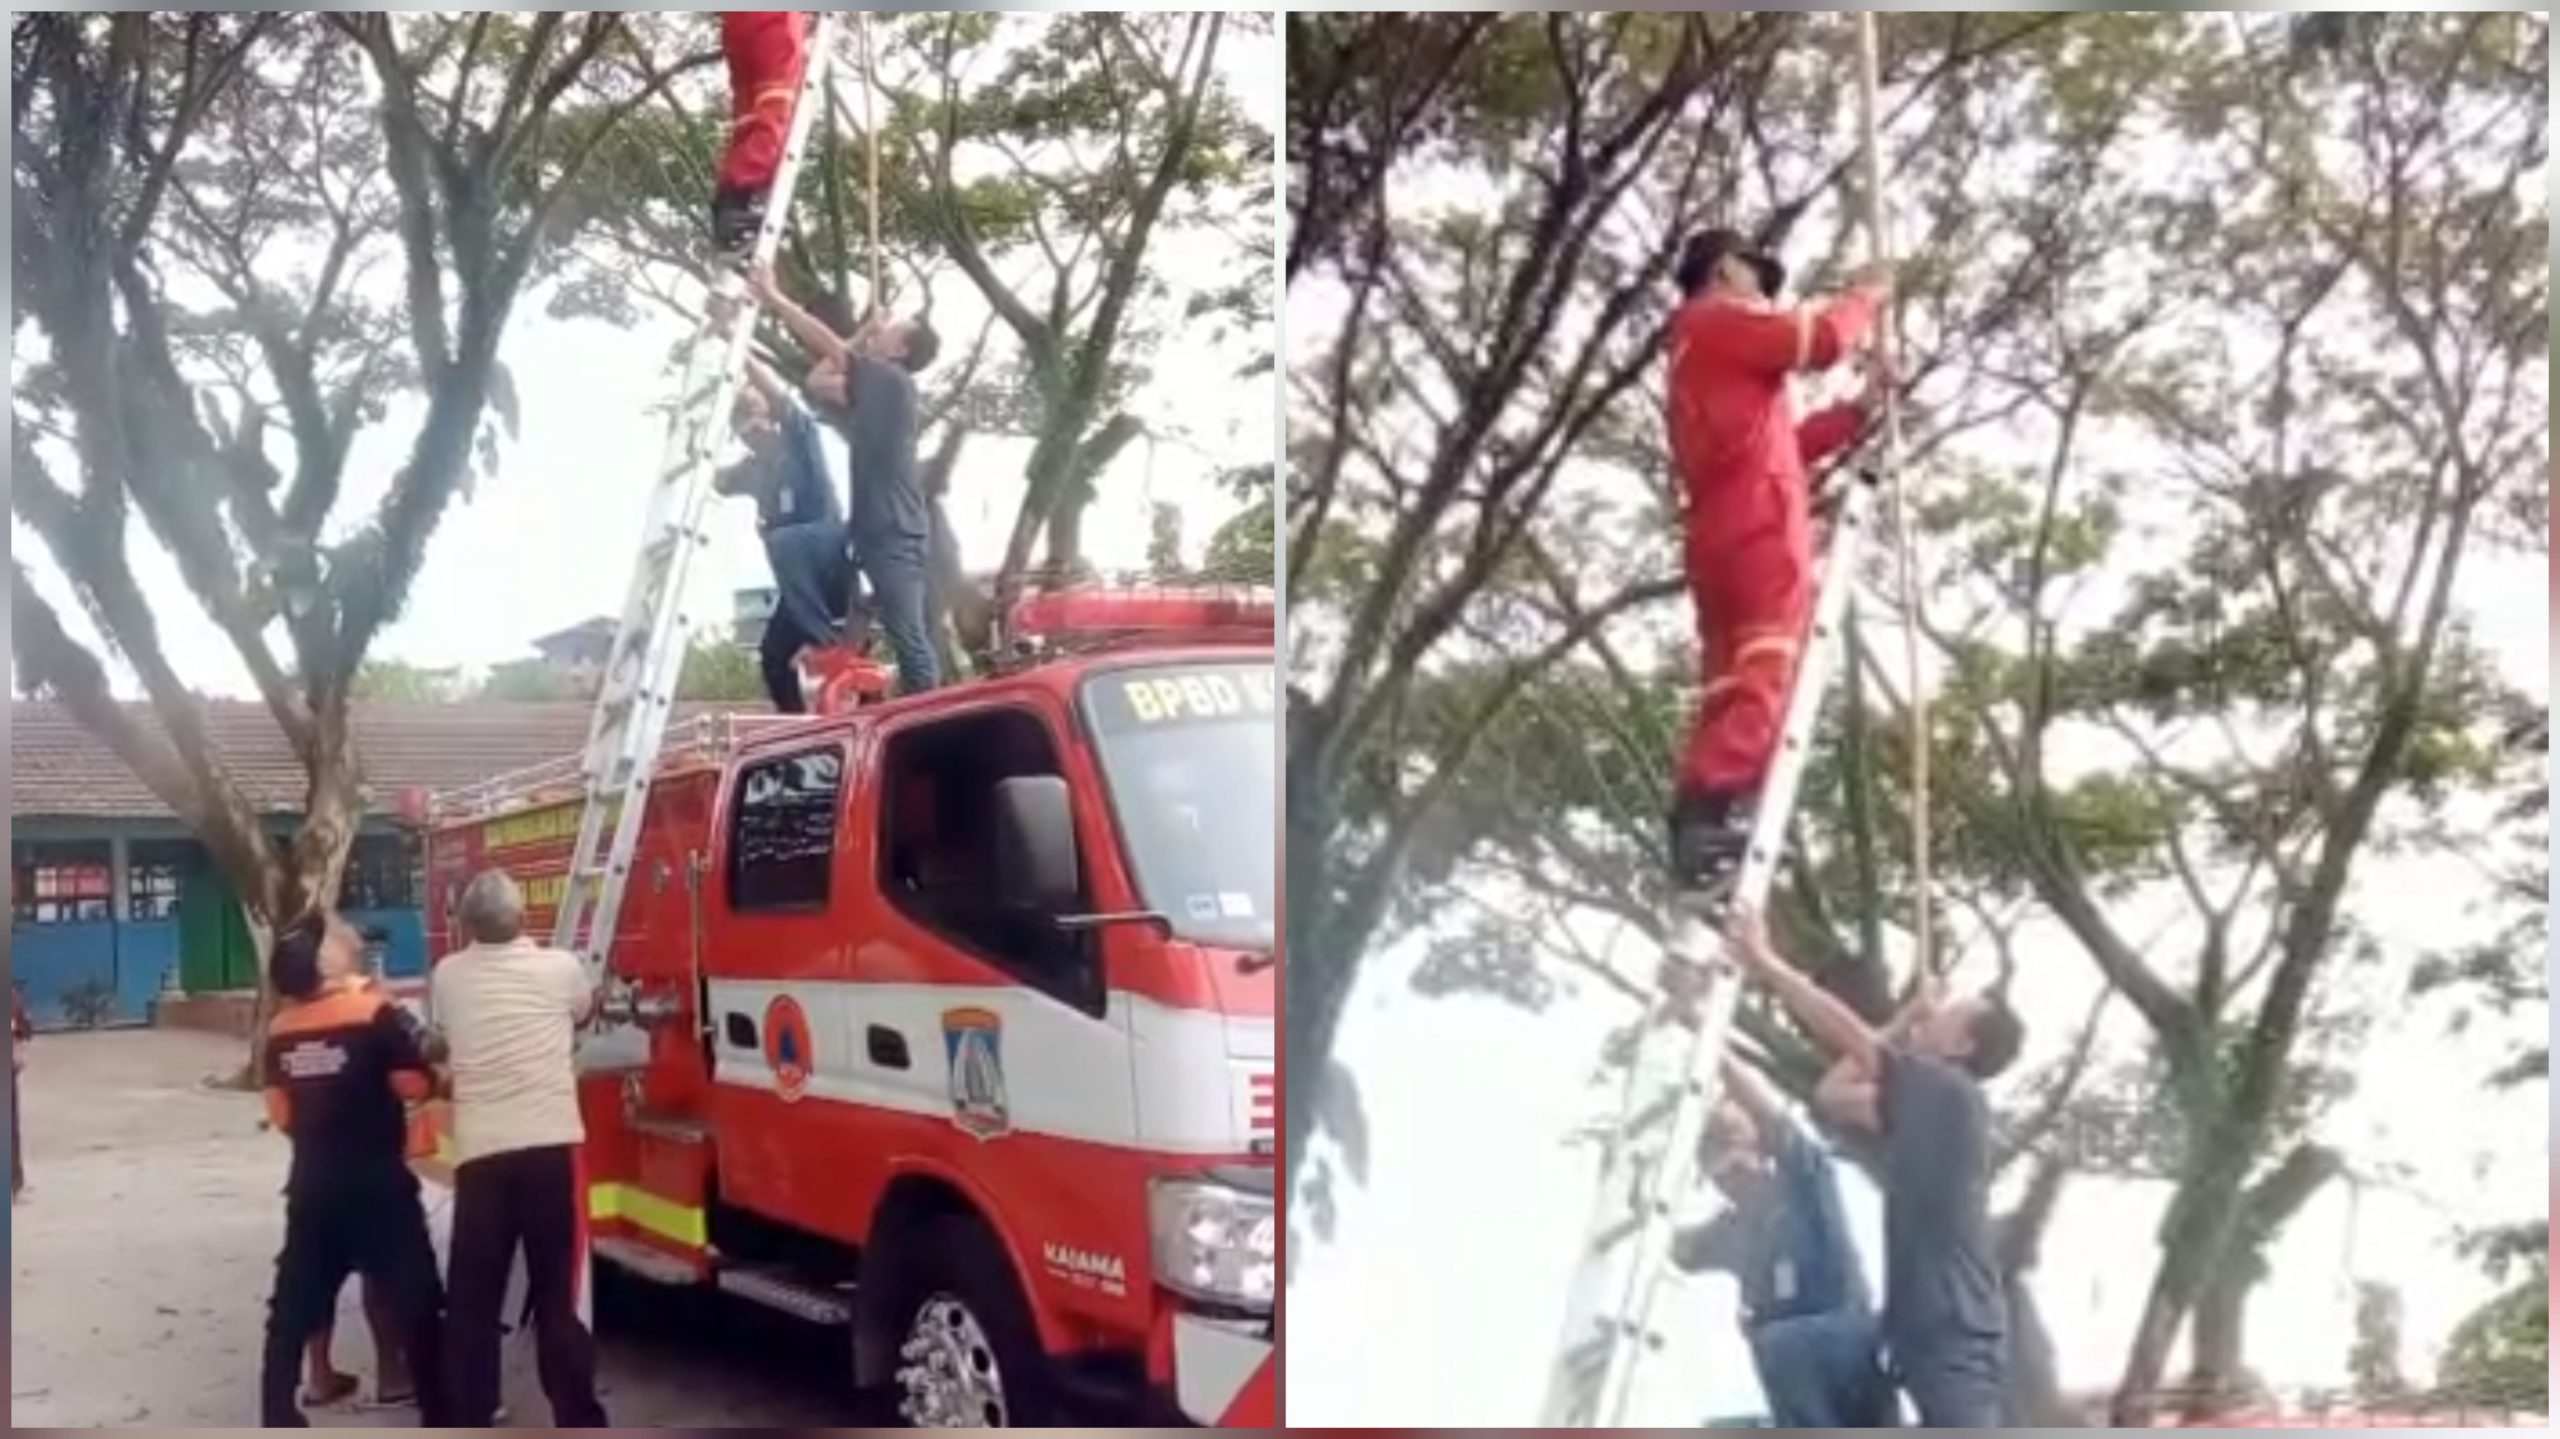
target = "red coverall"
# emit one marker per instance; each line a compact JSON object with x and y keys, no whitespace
{"x":767,"y":50}
{"x":1742,"y":462}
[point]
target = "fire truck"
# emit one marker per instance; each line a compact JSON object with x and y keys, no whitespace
{"x":948,"y":1019}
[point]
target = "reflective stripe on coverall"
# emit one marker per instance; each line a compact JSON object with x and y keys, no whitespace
{"x":1742,"y":461}
{"x":767,"y":50}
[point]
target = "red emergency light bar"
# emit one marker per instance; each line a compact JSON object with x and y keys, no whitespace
{"x":1068,"y":619}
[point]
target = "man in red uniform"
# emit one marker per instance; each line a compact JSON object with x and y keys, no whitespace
{"x":767,"y":51}
{"x":1743,"y":460}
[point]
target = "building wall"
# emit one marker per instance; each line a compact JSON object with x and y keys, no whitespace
{"x":102,"y":961}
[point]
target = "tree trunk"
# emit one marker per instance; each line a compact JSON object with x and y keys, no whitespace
{"x":2035,"y":1399}
{"x":962,"y":620}
{"x":2219,"y":1381}
{"x":2192,"y":1241}
{"x":313,"y":866}
{"x":2212,"y":1216}
{"x":1320,"y":970}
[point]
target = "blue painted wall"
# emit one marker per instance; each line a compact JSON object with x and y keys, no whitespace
{"x":146,"y":960}
{"x":52,"y":961}
{"x":135,"y":958}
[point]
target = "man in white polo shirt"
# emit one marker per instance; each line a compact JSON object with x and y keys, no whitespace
{"x":510,"y":1010}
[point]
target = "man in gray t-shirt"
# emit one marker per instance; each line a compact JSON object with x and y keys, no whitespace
{"x":865,"y":384}
{"x":1917,"y":1090}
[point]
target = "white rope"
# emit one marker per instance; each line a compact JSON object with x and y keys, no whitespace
{"x":871,"y":150}
{"x":1880,"y":247}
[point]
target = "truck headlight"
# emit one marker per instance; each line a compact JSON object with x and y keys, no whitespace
{"x":1214,"y":1242}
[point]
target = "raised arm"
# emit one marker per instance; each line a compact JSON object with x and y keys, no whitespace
{"x":824,"y":344}
{"x":769,"y":384}
{"x":1847,"y":1097}
{"x":1749,"y":1090}
{"x":1827,"y":432}
{"x":1833,"y":1025}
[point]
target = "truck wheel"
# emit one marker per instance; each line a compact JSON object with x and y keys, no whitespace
{"x":968,"y":1354}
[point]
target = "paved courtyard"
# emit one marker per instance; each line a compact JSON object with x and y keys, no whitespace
{"x":139,"y":1269}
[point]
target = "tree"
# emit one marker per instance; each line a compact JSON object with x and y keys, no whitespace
{"x":1038,"y":160}
{"x":1119,"y":125}
{"x":1364,"y":91}
{"x":391,"y":681}
{"x":532,"y":682}
{"x":2374,"y":1361}
{"x":196,"y":200}
{"x":2499,"y":1358}
{"x":1477,"y":355}
{"x":719,"y":672}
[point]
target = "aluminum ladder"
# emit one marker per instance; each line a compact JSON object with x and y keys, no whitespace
{"x":621,"y":755}
{"x":1610,"y":1336}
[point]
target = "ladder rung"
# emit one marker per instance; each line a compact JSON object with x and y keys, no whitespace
{"x":1649,"y":1160}
{"x":629,"y":732}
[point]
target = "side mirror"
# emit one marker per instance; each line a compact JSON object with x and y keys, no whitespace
{"x":1037,"y":866}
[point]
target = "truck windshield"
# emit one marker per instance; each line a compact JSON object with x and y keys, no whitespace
{"x":1188,"y":755}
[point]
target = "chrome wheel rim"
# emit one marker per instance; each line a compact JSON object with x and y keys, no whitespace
{"x":948,"y":1377}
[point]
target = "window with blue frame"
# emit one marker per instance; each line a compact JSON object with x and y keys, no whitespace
{"x":62,"y":884}
{"x":154,"y":872}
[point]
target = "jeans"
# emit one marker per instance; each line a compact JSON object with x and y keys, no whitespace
{"x":526,"y":1199}
{"x":808,"y":580}
{"x":900,"y":569}
{"x":379,"y":1232}
{"x":1822,"y":1371}
{"x":1956,"y":1383}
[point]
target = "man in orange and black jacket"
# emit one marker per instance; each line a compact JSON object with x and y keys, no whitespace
{"x":341,"y":1068}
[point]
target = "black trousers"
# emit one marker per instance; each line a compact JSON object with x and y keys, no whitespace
{"x":527,"y":1200}
{"x":379,"y":1232}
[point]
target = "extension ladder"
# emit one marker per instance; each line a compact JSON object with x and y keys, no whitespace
{"x":621,"y":754}
{"x":1610,"y":1334}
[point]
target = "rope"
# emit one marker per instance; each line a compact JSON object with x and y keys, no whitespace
{"x":1880,"y":243}
{"x":871,"y":150}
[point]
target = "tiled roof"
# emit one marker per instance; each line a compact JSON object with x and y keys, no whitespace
{"x":59,"y":770}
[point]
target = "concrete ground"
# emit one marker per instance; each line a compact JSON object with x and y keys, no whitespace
{"x":141,"y":1259}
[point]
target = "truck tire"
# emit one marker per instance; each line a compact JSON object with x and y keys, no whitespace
{"x":967,"y":1354}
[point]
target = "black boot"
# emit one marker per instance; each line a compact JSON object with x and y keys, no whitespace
{"x":1710,"y":833}
{"x":735,"y":217}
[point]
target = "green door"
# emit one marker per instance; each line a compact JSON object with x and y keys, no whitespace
{"x":214,"y":952}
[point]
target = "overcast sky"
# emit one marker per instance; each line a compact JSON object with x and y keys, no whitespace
{"x":551,"y":540}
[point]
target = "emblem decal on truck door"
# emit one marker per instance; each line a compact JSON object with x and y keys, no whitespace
{"x":786,"y":1047}
{"x":974,"y":1041}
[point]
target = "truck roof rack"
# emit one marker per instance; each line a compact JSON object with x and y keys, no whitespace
{"x":706,"y":739}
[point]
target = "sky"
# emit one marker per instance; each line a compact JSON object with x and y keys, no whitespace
{"x":550,"y":540}
{"x":1440,"y":1299}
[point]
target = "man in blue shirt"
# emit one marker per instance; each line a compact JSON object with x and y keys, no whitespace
{"x":1785,"y":1240}
{"x":802,"y":521}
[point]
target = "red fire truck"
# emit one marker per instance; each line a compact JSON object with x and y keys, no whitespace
{"x":949,"y":1019}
